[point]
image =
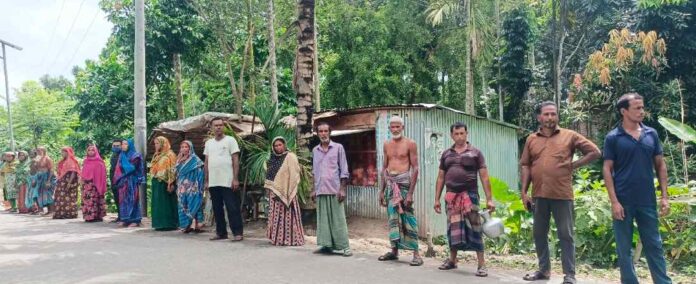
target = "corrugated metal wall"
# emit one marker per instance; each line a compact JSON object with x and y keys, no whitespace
{"x":429,"y":127}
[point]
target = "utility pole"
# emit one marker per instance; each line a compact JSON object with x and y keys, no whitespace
{"x":140,"y":100}
{"x":7,"y":90}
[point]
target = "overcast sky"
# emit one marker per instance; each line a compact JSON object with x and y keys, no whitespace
{"x":43,"y":29}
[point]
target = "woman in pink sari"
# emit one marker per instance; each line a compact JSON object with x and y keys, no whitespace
{"x":68,"y":183}
{"x":93,"y":186}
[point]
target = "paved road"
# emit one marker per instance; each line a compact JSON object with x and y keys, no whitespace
{"x":40,"y":250}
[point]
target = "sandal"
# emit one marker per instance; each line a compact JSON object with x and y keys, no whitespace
{"x":198,"y":231}
{"x":569,"y":279}
{"x":323,"y":250}
{"x":187,"y":230}
{"x":416,"y":261}
{"x":388,"y":256}
{"x":482,"y":271}
{"x":237,"y":238}
{"x":447,"y":265}
{"x":536,"y":275}
{"x":218,"y":237}
{"x":347,"y":252}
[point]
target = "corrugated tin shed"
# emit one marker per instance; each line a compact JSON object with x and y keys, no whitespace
{"x":428,"y":125}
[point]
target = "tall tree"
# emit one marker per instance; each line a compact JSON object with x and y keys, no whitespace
{"x":304,"y":76}
{"x":272,"y":53}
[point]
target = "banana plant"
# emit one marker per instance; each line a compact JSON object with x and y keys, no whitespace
{"x":681,"y":130}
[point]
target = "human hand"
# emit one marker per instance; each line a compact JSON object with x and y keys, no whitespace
{"x":437,"y":207}
{"x":490,"y":205}
{"x":341,"y":195}
{"x":617,"y":211}
{"x":382,"y":201}
{"x":664,"y":207}
{"x":409,"y":200}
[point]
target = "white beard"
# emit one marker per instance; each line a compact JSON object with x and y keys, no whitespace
{"x":325,"y":140}
{"x":396,"y":135}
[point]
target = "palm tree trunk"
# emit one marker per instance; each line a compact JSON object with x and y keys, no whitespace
{"x":501,"y":101}
{"x":304,"y":76}
{"x":469,"y":107}
{"x":177,"y":81}
{"x":272,"y":53}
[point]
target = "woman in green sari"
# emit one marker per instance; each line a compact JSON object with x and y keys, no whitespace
{"x":165,"y":214}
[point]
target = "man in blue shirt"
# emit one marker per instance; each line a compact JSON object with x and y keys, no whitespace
{"x":631,"y":151}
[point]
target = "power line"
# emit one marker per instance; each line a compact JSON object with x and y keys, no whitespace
{"x":84,"y":36}
{"x":53,"y":33}
{"x":67,"y":37}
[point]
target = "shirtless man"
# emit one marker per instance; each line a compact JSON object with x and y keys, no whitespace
{"x":400,"y":173}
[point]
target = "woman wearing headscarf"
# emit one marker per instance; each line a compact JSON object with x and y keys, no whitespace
{"x":43,"y":182}
{"x":164,"y":206}
{"x":189,"y":188}
{"x":9,"y":178}
{"x":129,"y":175}
{"x":282,"y":181}
{"x":93,"y":186}
{"x":68,"y":184}
{"x":22,"y":177}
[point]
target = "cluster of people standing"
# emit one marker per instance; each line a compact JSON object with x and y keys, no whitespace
{"x":632,"y":154}
{"x":32,"y":186}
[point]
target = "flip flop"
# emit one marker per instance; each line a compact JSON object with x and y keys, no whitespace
{"x":388,"y":256}
{"x":536,"y":275}
{"x":482,"y":271}
{"x":447,"y":265}
{"x":416,"y":261}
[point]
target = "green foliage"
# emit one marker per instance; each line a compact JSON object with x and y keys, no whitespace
{"x":681,"y":130}
{"x":257,"y":149}
{"x":594,"y":239}
{"x":43,"y":117}
{"x":376,"y":53}
{"x":515,"y":78}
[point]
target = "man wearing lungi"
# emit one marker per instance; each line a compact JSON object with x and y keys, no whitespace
{"x":460,"y":167}
{"x":400,"y":174}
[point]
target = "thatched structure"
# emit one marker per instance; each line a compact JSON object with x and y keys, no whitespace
{"x":197,"y":129}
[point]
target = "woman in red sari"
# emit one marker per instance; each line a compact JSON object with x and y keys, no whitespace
{"x":65,"y":196}
{"x":93,"y":186}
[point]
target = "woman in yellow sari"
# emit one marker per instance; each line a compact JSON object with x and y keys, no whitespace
{"x":165,"y":214}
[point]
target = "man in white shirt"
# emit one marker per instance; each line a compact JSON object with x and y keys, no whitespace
{"x":221,"y":168}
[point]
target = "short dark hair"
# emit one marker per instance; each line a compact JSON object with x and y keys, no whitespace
{"x":458,"y":125}
{"x":116,"y":140}
{"x":216,"y":118}
{"x":543,"y":104}
{"x":321,"y":123}
{"x":624,"y":101}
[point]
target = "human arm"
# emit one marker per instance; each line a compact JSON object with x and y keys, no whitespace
{"x":485,"y":181}
{"x":205,"y":173}
{"x":439,"y":185}
{"x":616,"y":209}
{"x":235,"y":171}
{"x":526,"y":175}
{"x":382,"y":201}
{"x":413,"y":159}
{"x":343,"y":173}
{"x":590,"y":152}
{"x":661,"y":169}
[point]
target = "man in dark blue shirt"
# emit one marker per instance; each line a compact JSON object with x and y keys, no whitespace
{"x":631,"y":151}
